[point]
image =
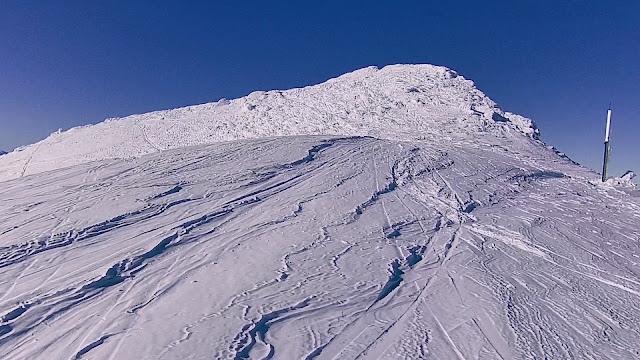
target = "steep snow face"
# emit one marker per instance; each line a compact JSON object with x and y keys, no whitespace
{"x":396,"y":102}
{"x":321,"y":248}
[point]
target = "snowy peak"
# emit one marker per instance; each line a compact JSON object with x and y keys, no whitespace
{"x":402,"y":102}
{"x":467,"y":239}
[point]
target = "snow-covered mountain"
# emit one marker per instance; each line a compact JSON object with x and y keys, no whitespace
{"x":395,"y":102}
{"x":451,"y":233}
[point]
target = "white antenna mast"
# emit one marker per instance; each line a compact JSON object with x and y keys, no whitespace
{"x":607,"y":146}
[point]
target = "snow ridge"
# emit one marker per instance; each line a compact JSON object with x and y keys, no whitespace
{"x":401,"y":102}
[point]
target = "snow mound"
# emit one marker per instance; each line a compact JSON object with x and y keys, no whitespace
{"x":628,"y":176}
{"x":625,"y":180}
{"x":402,"y":102}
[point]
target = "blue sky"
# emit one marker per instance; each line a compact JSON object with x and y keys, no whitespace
{"x":70,"y":63}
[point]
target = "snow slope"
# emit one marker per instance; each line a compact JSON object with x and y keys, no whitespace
{"x":321,"y":247}
{"x":458,"y":235}
{"x":395,"y":102}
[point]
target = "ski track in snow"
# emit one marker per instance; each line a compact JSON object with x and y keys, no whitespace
{"x":320,"y":248}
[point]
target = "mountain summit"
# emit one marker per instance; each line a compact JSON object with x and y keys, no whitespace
{"x":401,"y":102}
{"x":423,"y":222}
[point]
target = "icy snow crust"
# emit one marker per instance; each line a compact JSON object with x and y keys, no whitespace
{"x":458,"y":236}
{"x":395,"y":102}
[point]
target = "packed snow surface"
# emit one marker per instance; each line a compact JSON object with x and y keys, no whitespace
{"x":468,"y":240}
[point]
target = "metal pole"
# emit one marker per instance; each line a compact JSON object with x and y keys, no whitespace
{"x":607,"y":146}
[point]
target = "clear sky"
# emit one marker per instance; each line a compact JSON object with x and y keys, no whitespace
{"x":69,"y":63}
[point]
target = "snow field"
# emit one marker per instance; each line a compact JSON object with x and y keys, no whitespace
{"x":321,"y":247}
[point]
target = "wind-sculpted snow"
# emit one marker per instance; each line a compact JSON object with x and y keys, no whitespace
{"x":321,"y":248}
{"x":396,"y":102}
